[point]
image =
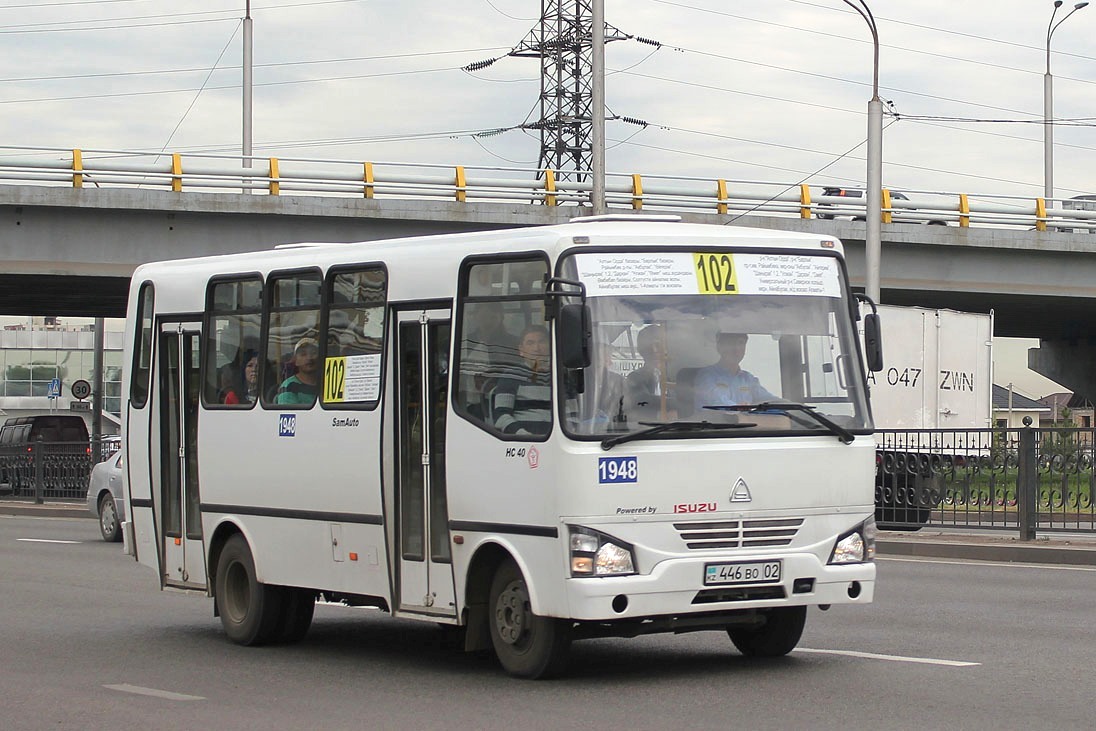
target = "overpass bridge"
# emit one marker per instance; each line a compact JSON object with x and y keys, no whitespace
{"x":76,"y":223}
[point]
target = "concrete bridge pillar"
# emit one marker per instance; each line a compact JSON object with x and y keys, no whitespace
{"x":1070,"y":362}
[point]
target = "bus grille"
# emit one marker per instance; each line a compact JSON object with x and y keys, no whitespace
{"x":739,"y":533}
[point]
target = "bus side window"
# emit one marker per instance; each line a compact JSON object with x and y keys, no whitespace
{"x":355,"y":336}
{"x":233,"y":313}
{"x":500,"y":300}
{"x":293,"y":355}
{"x":142,"y":348}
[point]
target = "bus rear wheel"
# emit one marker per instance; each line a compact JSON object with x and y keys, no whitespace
{"x":777,"y":637}
{"x":250,"y":610}
{"x":298,"y":606}
{"x":527,"y":645}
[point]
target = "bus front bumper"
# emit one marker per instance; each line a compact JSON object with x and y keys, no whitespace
{"x":676,"y":587}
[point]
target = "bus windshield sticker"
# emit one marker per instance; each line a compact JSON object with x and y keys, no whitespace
{"x":708,"y":273}
{"x":352,"y":378}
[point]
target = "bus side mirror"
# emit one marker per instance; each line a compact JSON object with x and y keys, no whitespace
{"x":573,"y":329}
{"x":873,"y":343}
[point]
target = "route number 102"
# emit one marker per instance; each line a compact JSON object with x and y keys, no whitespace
{"x":715,"y":273}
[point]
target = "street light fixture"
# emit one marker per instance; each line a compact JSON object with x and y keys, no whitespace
{"x":1048,"y":104}
{"x":872,"y":241}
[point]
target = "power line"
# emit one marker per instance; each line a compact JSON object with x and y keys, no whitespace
{"x":860,"y":40}
{"x":339,"y":141}
{"x":119,"y":27}
{"x":221,"y":88}
{"x":769,"y":97}
{"x":948,"y":31}
{"x":35,"y":27}
{"x":234,"y":67}
{"x":827,"y":77}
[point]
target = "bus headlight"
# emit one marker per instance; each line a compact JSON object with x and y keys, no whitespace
{"x":596,"y":554}
{"x":856,"y":546}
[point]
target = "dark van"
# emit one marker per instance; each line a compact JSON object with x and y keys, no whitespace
{"x":20,"y":432}
{"x":51,"y":427}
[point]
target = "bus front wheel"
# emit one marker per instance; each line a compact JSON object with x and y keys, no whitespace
{"x":777,"y":637}
{"x":527,"y":645}
{"x":250,"y":610}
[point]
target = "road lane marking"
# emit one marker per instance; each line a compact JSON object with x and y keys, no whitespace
{"x":45,"y":540}
{"x":892,"y":658}
{"x":1013,"y":564}
{"x":165,"y":694}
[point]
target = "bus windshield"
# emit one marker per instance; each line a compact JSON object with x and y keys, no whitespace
{"x":698,"y":339}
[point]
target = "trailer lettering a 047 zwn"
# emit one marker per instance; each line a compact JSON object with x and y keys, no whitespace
{"x":937,"y":375}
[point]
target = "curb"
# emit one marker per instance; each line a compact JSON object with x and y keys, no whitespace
{"x":1013,"y":551}
{"x":45,"y":510}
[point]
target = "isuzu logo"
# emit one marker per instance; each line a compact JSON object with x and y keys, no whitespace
{"x":740,"y":493}
{"x":696,"y":508}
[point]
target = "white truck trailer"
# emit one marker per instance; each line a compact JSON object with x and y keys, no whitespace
{"x":937,"y":375}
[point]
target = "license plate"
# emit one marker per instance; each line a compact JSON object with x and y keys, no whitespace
{"x":743,"y":572}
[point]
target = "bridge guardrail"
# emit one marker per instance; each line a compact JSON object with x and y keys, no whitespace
{"x":200,"y":172}
{"x":1027,"y":480}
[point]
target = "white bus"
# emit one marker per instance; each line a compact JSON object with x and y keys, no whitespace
{"x":533,"y":435}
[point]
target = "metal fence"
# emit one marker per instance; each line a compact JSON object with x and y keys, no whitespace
{"x":1025,"y":480}
{"x":50,"y":470}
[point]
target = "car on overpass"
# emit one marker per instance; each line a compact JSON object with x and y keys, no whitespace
{"x":903,"y":215}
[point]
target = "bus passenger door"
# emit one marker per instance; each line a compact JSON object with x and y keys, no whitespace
{"x":176,"y":481}
{"x":425,"y":576}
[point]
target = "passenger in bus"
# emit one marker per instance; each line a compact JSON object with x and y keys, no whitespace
{"x":302,"y":387}
{"x":228,"y":385}
{"x":250,"y":391}
{"x":725,"y":383}
{"x":521,"y":402}
{"x":646,"y":385}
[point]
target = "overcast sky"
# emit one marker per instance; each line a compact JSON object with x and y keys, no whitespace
{"x":771,"y":90}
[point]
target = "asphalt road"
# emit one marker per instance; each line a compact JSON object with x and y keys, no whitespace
{"x":89,"y":642}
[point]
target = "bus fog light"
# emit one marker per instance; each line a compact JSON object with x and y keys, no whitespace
{"x":612,"y":559}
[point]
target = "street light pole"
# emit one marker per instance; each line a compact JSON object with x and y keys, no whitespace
{"x":247,"y":86}
{"x":1048,"y":105}
{"x":873,"y":239}
{"x":597,"y":108}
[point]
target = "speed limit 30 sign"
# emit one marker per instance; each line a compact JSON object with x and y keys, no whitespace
{"x":81,"y":389}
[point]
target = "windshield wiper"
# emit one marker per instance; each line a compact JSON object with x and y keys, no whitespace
{"x":836,"y":429}
{"x":654,"y":428}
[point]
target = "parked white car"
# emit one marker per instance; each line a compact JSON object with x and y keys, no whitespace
{"x":105,"y":497}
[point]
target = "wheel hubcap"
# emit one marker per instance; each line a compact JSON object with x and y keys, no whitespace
{"x":106,"y":517}
{"x":512,"y":613}
{"x":237,"y":593}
